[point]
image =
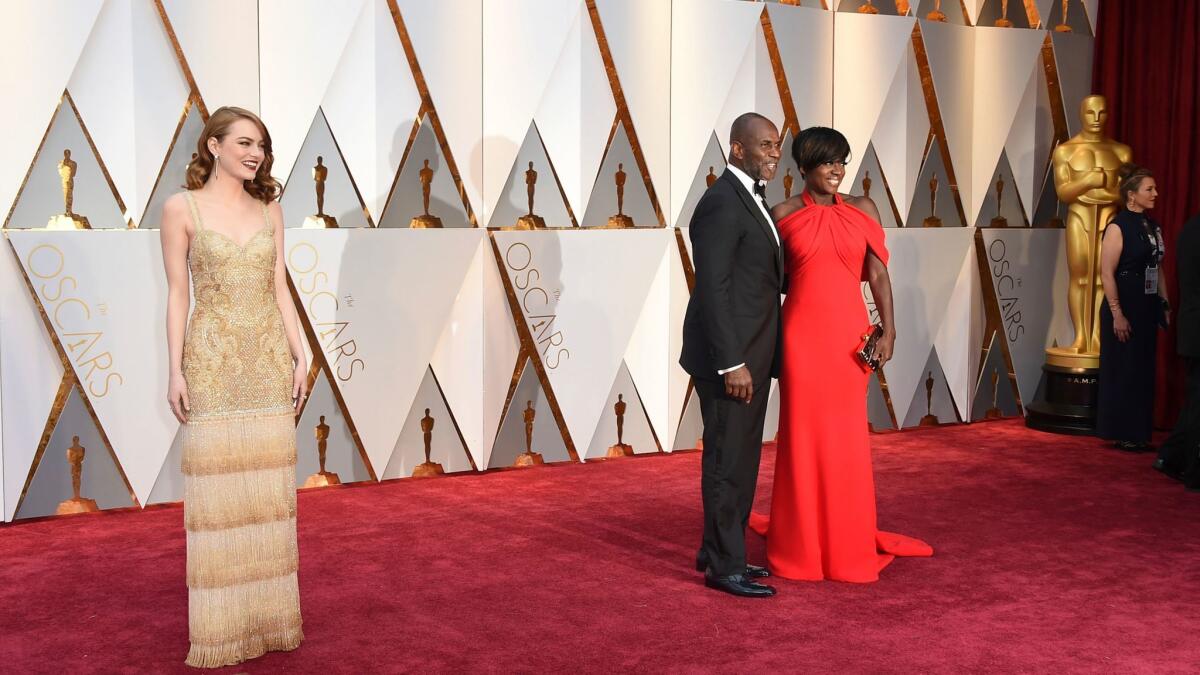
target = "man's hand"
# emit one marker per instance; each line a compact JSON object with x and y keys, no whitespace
{"x":739,"y":385}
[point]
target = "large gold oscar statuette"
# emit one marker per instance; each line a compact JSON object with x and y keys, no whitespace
{"x":529,"y":457}
{"x":994,"y":412}
{"x":867,"y":8}
{"x":710,"y":178}
{"x":68,"y":219}
{"x":932,"y":220}
{"x":322,"y":477}
{"x":428,"y":468}
{"x":929,"y":420}
{"x":320,"y":220}
{"x":425,"y":220}
{"x":936,"y":14}
{"x":621,"y":449}
{"x":77,"y":503}
{"x":1003,"y":21}
{"x":1085,"y":179}
{"x":620,"y":221}
{"x":1063,"y":27}
{"x":529,"y":221}
{"x":999,"y":220}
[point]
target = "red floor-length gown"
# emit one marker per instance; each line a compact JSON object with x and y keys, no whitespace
{"x":822,"y":523}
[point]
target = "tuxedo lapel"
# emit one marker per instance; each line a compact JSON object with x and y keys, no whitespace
{"x":748,"y":200}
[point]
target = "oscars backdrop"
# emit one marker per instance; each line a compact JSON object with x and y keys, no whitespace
{"x":487,"y":206}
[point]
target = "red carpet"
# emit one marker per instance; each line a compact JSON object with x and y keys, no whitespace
{"x":1053,"y":554}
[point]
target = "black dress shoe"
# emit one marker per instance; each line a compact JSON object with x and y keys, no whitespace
{"x":739,"y":585}
{"x":752,"y":571}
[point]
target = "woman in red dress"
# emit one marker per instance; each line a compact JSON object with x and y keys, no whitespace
{"x":822,"y":522}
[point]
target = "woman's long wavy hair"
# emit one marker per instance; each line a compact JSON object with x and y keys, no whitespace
{"x":263,"y":187}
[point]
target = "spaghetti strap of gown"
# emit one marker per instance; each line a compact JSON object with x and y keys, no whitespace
{"x":822,"y":523}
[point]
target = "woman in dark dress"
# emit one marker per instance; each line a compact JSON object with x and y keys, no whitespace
{"x":1136,"y":305}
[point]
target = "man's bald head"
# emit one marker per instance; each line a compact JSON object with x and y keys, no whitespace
{"x":754,"y":145}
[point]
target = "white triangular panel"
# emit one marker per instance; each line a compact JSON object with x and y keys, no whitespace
{"x":1073,"y":53}
{"x":1005,"y":59}
{"x":131,"y":94}
{"x":168,"y":487}
{"x":407,"y":198}
{"x":445,"y":447}
{"x":378,"y":301}
{"x":39,"y":69}
{"x":648,"y":357}
{"x":973,"y":7}
{"x":110,"y":323}
{"x":957,"y":339}
{"x":754,"y":89}
{"x":1092,"y":8}
{"x":856,"y":109}
{"x":42,"y":195}
{"x":691,"y":425}
{"x":643,"y":62}
{"x":678,"y":377}
{"x":371,"y":104}
{"x":902,"y":132}
{"x":925,"y":267}
{"x":709,"y":39}
{"x":951,"y":55}
{"x":523,"y":46}
{"x":453,"y":70}
{"x":636,"y":430}
{"x":300,"y":46}
{"x":581,"y":328}
{"x":458,"y":362}
{"x":224,"y":76}
{"x":806,"y":37}
{"x":501,"y":346}
{"x":576,"y":112}
{"x":174,"y":171}
{"x":30,"y":372}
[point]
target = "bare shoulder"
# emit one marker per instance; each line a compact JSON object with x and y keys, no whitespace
{"x":175,"y":212}
{"x":787,"y":207}
{"x":864,"y":204}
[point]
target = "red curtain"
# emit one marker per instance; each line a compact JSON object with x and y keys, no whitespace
{"x":1147,"y":64}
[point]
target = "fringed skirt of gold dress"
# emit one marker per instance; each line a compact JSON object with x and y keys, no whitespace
{"x":239,"y":455}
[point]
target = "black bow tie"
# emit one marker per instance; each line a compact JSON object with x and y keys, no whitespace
{"x":760,"y":189}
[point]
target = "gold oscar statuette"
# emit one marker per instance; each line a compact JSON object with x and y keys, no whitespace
{"x":1064,"y":27}
{"x":1003,"y":21}
{"x":620,"y":221}
{"x":425,"y":220}
{"x":994,"y":412}
{"x":867,"y":8}
{"x":788,"y":181}
{"x":1085,"y":178}
{"x":529,"y":221}
{"x":793,"y":3}
{"x":932,"y":220}
{"x":68,"y":219}
{"x":710,"y":178}
{"x":322,"y":478}
{"x":77,"y":503}
{"x":902,"y":7}
{"x":621,"y":449}
{"x":929,"y":420}
{"x":936,"y":14}
{"x":866,"y":184}
{"x":320,"y":220}
{"x":428,"y":468}
{"x":999,"y":220}
{"x":529,"y":457}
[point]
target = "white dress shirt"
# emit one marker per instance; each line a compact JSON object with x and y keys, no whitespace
{"x":748,"y":183}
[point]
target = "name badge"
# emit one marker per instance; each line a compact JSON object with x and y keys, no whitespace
{"x":1151,"y":287}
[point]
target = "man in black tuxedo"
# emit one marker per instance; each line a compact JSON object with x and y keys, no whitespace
{"x":731,"y":345}
{"x":1180,"y":454}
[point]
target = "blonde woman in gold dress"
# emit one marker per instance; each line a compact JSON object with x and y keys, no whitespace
{"x":238,"y":376}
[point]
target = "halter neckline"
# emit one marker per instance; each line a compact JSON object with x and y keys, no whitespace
{"x":809,"y":201}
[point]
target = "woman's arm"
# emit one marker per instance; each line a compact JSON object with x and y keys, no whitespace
{"x":1110,"y":254}
{"x":881,"y":290}
{"x":287,"y":309}
{"x":174,"y":237}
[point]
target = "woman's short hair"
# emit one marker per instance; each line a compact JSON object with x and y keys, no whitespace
{"x":815,"y":146}
{"x":263,"y":187}
{"x":1131,"y":176}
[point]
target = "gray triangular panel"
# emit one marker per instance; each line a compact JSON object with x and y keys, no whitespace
{"x":174,"y":173}
{"x":995,"y":388}
{"x":878,"y":184}
{"x":636,"y":432}
{"x":713,"y":162}
{"x":407,"y":199}
{"x":547,"y":439}
{"x":922,"y":206}
{"x":1009,"y":208}
{"x":341,"y":453}
{"x":446,"y":447}
{"x":299,"y":198}
{"x":548,"y":200}
{"x":935,"y":400}
{"x":603,"y":201}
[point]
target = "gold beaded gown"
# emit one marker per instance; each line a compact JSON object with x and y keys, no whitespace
{"x":239,"y":454}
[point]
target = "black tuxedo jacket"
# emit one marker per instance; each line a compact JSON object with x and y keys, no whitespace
{"x":733,"y":314}
{"x":1187,"y":263}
